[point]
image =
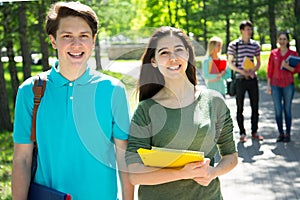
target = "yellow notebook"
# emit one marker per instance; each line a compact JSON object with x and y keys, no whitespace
{"x":164,"y":157}
{"x":248,"y":64}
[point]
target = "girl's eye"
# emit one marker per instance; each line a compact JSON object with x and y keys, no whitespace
{"x":164,"y":53}
{"x":179,"y":50}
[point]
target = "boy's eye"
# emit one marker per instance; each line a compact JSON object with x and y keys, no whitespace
{"x":66,"y":36}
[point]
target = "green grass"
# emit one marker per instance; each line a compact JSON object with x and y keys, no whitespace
{"x":262,"y":72}
{"x":6,"y":152}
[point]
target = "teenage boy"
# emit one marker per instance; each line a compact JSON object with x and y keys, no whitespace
{"x":82,"y":121}
{"x":247,"y":81}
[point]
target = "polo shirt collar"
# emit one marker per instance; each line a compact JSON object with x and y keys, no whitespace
{"x":243,"y":42}
{"x":58,"y":80}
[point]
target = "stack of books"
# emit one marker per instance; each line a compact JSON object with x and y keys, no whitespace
{"x":217,"y":66}
{"x":247,"y":64}
{"x":293,"y":61}
{"x":164,"y":157}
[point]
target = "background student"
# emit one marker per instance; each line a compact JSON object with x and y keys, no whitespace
{"x":246,"y":80}
{"x":281,"y":85}
{"x":215,"y":81}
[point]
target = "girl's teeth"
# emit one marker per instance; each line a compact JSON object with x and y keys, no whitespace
{"x":174,"y":67}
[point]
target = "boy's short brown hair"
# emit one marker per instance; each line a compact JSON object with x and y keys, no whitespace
{"x":60,"y":10}
{"x":245,"y":23}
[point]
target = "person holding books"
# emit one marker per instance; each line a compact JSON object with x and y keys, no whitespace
{"x":214,"y":69}
{"x":241,"y":53}
{"x":280,"y":76}
{"x":174,"y":113}
{"x":83,"y":119}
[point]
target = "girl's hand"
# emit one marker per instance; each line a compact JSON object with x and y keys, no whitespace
{"x":206,"y":175}
{"x":284,"y":64}
{"x":196,"y":170}
{"x":222,"y":73}
{"x":269,"y":91}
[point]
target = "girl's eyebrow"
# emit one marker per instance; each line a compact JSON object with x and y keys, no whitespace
{"x":163,"y":48}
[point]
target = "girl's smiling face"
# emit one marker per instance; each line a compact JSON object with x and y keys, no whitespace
{"x":171,"y":57}
{"x":283,"y":40}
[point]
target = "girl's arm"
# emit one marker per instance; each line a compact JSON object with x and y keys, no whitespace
{"x":226,"y":164}
{"x":143,"y":175}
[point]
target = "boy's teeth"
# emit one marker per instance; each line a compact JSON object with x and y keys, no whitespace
{"x":75,"y":54}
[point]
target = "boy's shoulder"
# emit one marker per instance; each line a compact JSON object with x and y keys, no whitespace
{"x":100,"y":77}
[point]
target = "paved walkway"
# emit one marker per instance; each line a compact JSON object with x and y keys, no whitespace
{"x":267,"y":170}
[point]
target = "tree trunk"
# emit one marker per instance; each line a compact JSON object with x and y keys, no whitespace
{"x":205,"y":39}
{"x":272,"y":24}
{"x":227,"y":31}
{"x":98,"y":54}
{"x":297,"y":25}
{"x":5,"y":118}
{"x":227,"y":16}
{"x":170,"y":14}
{"x":186,"y":8}
{"x":8,"y":31}
{"x":25,"y":48}
{"x":176,"y":11}
{"x":251,"y":10}
{"x":43,"y":36}
{"x":12,"y":69}
{"x":250,"y":13}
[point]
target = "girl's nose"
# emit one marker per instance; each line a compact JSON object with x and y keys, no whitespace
{"x":173,"y":55}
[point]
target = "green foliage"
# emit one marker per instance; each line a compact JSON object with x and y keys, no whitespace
{"x":262,"y":72}
{"x":114,"y":16}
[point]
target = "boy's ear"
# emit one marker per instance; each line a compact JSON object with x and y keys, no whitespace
{"x":94,"y":40}
{"x":53,"y":41}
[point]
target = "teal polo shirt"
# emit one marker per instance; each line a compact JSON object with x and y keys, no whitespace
{"x":76,"y":123}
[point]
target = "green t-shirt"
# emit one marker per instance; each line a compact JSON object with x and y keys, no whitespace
{"x":205,"y":125}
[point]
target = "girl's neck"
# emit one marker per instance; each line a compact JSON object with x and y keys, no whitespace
{"x":180,"y":89}
{"x":214,"y":56}
{"x":283,"y":50}
{"x":176,"y":94}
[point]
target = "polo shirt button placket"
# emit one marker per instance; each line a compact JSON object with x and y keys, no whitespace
{"x":71,"y":85}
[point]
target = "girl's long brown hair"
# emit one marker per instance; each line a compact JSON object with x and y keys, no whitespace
{"x":151,"y":81}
